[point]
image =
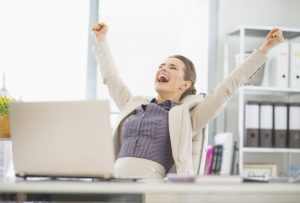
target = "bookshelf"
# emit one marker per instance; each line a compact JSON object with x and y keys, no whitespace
{"x":259,"y":93}
{"x":247,"y":38}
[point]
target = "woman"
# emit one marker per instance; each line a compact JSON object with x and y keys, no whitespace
{"x":152,"y":134}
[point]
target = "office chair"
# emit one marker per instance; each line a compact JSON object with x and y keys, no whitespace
{"x":199,"y":145}
{"x":199,"y":153}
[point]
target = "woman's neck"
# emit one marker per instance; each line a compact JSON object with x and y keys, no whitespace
{"x":161,"y":98}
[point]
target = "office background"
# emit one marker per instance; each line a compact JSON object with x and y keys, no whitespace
{"x":233,"y":14}
{"x":46,"y":45}
{"x":278,"y":13}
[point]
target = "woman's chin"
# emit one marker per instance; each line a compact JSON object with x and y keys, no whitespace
{"x":159,"y":89}
{"x":162,"y":87}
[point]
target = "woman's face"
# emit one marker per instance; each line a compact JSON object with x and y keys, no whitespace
{"x":169,"y":77}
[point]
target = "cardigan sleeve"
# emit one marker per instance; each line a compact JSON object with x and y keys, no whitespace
{"x":118,"y":91}
{"x":216,"y":99}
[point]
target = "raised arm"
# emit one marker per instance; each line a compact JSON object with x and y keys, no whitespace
{"x":110,"y":76}
{"x":218,"y":97}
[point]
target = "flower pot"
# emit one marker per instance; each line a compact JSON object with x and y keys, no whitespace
{"x":4,"y":127}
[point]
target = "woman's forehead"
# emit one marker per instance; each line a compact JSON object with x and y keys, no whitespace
{"x":174,"y":61}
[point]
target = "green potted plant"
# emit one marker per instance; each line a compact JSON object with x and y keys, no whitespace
{"x":4,"y":113}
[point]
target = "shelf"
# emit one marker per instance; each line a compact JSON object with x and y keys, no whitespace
{"x":268,"y":90}
{"x":270,"y":150}
{"x":262,"y":31}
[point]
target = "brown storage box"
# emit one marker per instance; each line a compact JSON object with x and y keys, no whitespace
{"x":294,"y":138}
{"x":252,"y":138}
{"x":265,"y":138}
{"x":280,"y":138}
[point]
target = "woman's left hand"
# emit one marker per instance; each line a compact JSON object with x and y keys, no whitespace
{"x":273,"y":38}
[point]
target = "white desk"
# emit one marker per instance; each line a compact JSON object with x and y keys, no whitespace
{"x":160,"y":192}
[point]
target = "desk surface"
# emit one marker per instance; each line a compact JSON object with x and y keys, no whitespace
{"x":271,"y":192}
{"x":46,"y":186}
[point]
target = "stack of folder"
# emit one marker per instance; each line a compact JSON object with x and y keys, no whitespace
{"x":272,"y":124}
{"x":282,"y":67}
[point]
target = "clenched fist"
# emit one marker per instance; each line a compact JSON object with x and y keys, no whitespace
{"x":99,"y":31}
{"x":273,"y":38}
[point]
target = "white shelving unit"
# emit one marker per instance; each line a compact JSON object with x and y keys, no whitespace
{"x":247,"y":93}
{"x":261,"y":92}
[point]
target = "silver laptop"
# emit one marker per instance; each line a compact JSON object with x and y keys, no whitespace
{"x":62,"y":139}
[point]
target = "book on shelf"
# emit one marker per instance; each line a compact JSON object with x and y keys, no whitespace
{"x":213,"y":153}
{"x":208,"y":160}
{"x":222,"y":158}
{"x":225,"y":162}
{"x":217,"y":159}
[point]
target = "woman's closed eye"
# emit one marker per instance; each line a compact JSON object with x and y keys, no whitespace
{"x":161,"y":65}
{"x":172,"y":67}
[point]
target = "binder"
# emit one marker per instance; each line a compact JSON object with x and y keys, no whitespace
{"x":280,"y":125}
{"x":277,"y":66}
{"x":294,"y":126}
{"x":266,"y":125}
{"x":252,"y":124}
{"x":295,"y":65}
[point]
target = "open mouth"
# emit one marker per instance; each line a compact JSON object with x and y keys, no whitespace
{"x":163,"y":78}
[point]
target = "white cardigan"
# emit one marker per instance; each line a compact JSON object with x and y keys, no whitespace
{"x":185,"y":120}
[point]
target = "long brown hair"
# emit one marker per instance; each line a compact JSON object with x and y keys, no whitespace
{"x":189,"y":74}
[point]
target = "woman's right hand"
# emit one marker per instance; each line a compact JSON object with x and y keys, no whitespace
{"x":99,"y":31}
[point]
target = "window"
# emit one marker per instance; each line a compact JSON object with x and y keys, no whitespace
{"x":44,"y":48}
{"x":44,"y":44}
{"x":144,"y":33}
